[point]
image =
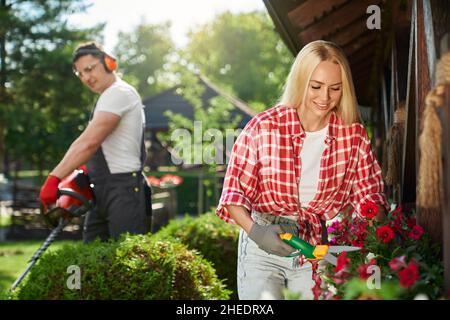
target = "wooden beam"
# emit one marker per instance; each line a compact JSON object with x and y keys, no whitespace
{"x":359,"y":43}
{"x":310,"y":10}
{"x":282,"y":28}
{"x":366,"y":52}
{"x":337,"y":20}
{"x":349,"y":33}
{"x":362,"y":67}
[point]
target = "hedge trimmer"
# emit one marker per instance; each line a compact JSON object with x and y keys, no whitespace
{"x":318,"y":252}
{"x":74,"y":200}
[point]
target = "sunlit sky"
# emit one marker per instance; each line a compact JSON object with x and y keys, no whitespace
{"x":183,"y":15}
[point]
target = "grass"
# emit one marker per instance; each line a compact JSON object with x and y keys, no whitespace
{"x":5,"y":221}
{"x":31,"y":173}
{"x":14,"y":258}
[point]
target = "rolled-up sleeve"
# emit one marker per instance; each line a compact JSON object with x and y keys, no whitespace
{"x":240,"y":183}
{"x":368,"y":185}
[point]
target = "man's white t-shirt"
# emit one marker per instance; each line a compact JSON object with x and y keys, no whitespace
{"x":122,"y":148}
{"x":311,"y":154}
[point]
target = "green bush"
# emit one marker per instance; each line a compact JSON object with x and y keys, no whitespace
{"x":136,"y":267}
{"x":216,"y":240}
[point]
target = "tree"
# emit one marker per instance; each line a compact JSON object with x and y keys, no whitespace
{"x":242,"y":53}
{"x":142,"y":54}
{"x":203,"y":140}
{"x":40,"y":98}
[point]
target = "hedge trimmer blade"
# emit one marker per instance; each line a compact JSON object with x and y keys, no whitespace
{"x":339,"y":249}
{"x":330,"y":259}
{"x":318,"y":252}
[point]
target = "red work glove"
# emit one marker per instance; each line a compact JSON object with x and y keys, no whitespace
{"x":49,"y":190}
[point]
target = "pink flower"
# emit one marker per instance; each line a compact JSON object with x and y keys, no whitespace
{"x":397,"y":263}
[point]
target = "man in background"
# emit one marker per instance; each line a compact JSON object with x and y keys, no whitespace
{"x":112,"y":146}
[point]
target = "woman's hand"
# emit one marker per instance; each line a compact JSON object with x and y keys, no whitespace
{"x":267,"y":238}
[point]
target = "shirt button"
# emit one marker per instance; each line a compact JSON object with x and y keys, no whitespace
{"x":134,"y":174}
{"x":136,"y":189}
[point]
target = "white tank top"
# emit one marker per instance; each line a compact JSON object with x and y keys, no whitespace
{"x":311,"y":154}
{"x":122,"y":148}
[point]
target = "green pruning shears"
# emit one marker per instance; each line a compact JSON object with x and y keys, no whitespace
{"x":319,"y":252}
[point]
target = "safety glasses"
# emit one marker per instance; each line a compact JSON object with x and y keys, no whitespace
{"x":86,"y":70}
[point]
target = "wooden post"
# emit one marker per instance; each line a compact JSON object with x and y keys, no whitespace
{"x":445,"y":120}
{"x":429,"y":218}
{"x":445,"y":116}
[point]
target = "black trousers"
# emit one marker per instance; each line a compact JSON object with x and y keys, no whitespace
{"x":122,"y":204}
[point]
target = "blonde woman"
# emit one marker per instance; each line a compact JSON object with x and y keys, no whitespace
{"x":295,"y":166}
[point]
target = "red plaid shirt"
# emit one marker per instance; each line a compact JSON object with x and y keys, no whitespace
{"x":263,"y":173}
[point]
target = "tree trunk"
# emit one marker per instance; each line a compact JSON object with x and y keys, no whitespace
{"x":3,"y":94}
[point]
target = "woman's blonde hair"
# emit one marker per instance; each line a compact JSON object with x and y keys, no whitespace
{"x":304,"y":65}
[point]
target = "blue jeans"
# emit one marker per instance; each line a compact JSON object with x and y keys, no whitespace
{"x":264,"y":276}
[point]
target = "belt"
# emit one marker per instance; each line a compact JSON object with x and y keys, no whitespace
{"x":116,"y":177}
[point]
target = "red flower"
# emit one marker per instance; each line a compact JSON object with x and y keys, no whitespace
{"x":369,"y":210}
{"x":397,"y":263}
{"x":409,"y":275}
{"x":154,"y":181}
{"x":362,"y":269}
{"x":384,"y":234}
{"x":317,"y":292}
{"x":411,"y":223}
{"x":397,"y":214}
{"x":358,"y":243}
{"x":171,"y":179}
{"x":342,"y":262}
{"x":416,"y":233}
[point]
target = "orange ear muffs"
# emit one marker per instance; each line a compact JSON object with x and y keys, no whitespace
{"x":110,"y":63}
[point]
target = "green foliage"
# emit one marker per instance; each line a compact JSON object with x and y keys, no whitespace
{"x":142,"y":54}
{"x":43,"y":104}
{"x":357,"y":289}
{"x":205,"y":138}
{"x":137,"y":267}
{"x":216,"y":240}
{"x":243,"y":53}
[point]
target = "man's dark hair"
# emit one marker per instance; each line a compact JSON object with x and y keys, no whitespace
{"x":91,"y":48}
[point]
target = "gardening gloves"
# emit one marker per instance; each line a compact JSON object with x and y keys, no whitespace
{"x":267,"y":239}
{"x":49,"y":190}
